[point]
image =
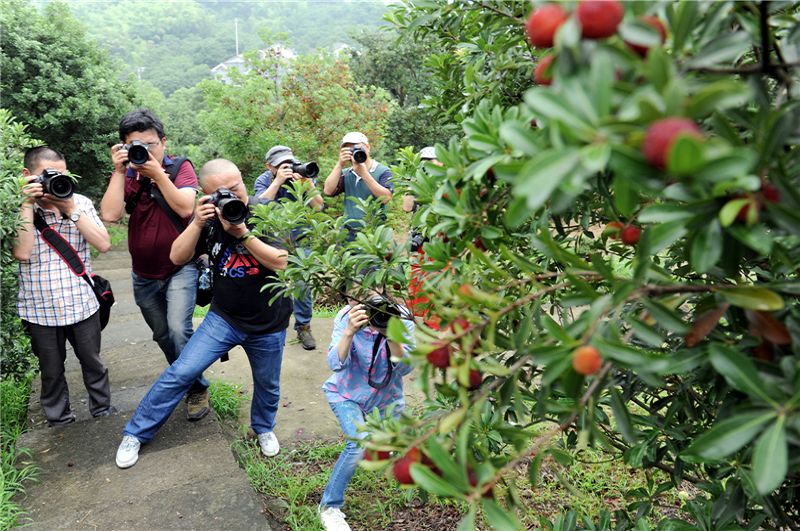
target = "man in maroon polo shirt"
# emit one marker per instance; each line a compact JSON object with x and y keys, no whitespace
{"x":164,"y":292}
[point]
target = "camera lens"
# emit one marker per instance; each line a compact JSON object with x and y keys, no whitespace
{"x":138,"y":154}
{"x":309,"y":170}
{"x":359,"y":155}
{"x":233,"y":210}
{"x":60,"y":187}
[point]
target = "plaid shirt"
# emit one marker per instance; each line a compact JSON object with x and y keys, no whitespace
{"x":50,"y":294}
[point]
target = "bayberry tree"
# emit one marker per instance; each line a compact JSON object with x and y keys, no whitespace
{"x":613,"y":255}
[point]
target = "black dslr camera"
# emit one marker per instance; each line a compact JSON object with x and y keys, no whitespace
{"x":232,"y":208}
{"x":138,"y":152}
{"x":380,"y":310}
{"x":56,"y":183}
{"x":359,"y":154}
{"x":310,"y":170}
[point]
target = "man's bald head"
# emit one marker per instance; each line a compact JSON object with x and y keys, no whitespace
{"x":217,"y":167}
{"x":219,"y":173}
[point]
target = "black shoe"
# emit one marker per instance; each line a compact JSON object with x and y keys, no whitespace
{"x":105,"y":413}
{"x":305,"y":337}
{"x":63,"y":422}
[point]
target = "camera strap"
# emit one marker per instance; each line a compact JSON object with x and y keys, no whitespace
{"x":158,"y":197}
{"x":380,"y":342}
{"x":62,"y":248}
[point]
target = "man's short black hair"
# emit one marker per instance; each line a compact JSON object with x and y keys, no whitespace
{"x":34,"y":156}
{"x":139,"y":121}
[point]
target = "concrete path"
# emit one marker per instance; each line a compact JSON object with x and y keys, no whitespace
{"x":187,"y":478}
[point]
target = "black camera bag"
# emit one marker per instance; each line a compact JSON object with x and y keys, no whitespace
{"x":100,"y":285}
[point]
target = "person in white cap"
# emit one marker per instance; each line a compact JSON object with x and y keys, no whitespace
{"x":427,"y":154}
{"x":357,"y":175}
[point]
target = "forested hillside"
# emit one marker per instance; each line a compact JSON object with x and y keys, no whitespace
{"x":175,"y":44}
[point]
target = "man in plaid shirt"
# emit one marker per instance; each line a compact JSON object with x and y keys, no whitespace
{"x":54,"y":304}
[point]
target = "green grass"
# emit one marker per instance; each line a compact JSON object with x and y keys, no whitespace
{"x":298,"y":476}
{"x":226,"y":399}
{"x":16,"y":468}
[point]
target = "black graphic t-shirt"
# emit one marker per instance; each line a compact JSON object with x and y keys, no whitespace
{"x":238,"y":281}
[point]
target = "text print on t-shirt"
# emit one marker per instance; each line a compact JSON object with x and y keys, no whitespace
{"x":237,"y":265}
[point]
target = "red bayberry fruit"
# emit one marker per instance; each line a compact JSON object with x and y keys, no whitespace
{"x":402,"y":467}
{"x":770,"y":193}
{"x":440,"y":357}
{"x":478,"y":243}
{"x":599,"y":18}
{"x":630,"y":235}
{"x":586,"y":360}
{"x":613,"y":229}
{"x":744,"y":212}
{"x":475,"y":379}
{"x":460,"y":325}
{"x":655,"y":23}
{"x":543,"y":23}
{"x":541,"y":75}
{"x":428,"y":462}
{"x":377,"y":455}
{"x":661,"y":135}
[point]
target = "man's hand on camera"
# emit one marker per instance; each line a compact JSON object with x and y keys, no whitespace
{"x":357,"y":319}
{"x":32,"y":191}
{"x":151,"y":169}
{"x":284,"y":174}
{"x":119,"y":156}
{"x":237,"y":231}
{"x":65,"y":206}
{"x":345,"y":156}
{"x":204,"y":211}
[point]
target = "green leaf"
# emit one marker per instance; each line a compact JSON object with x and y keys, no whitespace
{"x":499,"y":518}
{"x":682,"y":18}
{"x":728,"y":213}
{"x":625,"y":197}
{"x":468,"y":522}
{"x":543,"y":173}
{"x":759,"y":238}
{"x":517,"y":212}
{"x":666,"y":317}
{"x":546,"y":103}
{"x":752,"y":298}
{"x":535,"y":467}
{"x":664,"y":235}
{"x":719,"y":95}
{"x":729,"y":165}
{"x":738,"y":370}
{"x":771,"y":458}
{"x":728,"y":436}
{"x":427,"y":480}
{"x":594,"y":157}
{"x":397,"y":332}
{"x":726,"y":48}
{"x":706,"y":246}
{"x":686,"y":155}
{"x":621,"y":413}
{"x":632,"y":357}
{"x":665,"y":213}
{"x":520,"y":137}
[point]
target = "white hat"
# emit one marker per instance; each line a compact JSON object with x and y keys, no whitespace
{"x":355,"y":138}
{"x":428,"y":153}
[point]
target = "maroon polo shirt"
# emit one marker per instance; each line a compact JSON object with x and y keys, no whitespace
{"x":150,"y":231}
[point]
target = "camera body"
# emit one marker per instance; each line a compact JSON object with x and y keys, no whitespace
{"x":233,"y":209}
{"x":56,"y":183}
{"x":359,"y":154}
{"x":309,"y":170}
{"x":138,"y":152}
{"x":380,"y":310}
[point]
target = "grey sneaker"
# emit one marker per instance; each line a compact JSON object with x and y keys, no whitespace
{"x":333,"y":520}
{"x":269,"y":444}
{"x":128,"y":451}
{"x":305,"y":337}
{"x":197,"y":405}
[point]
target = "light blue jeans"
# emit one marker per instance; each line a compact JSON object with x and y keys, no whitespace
{"x":213,"y":338}
{"x":350,"y":417}
{"x":167,"y":306}
{"x":303,"y":309}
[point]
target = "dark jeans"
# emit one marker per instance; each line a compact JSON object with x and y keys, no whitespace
{"x":49,"y":344}
{"x":167,"y":306}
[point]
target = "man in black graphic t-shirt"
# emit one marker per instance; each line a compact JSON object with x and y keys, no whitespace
{"x":240,"y":314}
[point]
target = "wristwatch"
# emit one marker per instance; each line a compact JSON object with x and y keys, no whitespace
{"x":75,"y":216}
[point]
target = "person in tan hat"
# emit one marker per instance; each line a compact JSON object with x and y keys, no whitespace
{"x":358,"y":176}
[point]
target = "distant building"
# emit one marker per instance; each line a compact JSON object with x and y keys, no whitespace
{"x":222,"y":70}
{"x":340,"y":48}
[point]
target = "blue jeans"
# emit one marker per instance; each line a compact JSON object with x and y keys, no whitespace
{"x":167,"y":306}
{"x":213,"y":338}
{"x":303,"y":308}
{"x":350,"y":417}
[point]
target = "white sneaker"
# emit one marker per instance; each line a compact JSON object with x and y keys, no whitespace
{"x":128,"y":451}
{"x":333,"y":520}
{"x":269,"y":444}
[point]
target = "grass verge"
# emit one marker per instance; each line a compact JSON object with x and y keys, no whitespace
{"x":226,"y":399}
{"x":15,"y":466}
